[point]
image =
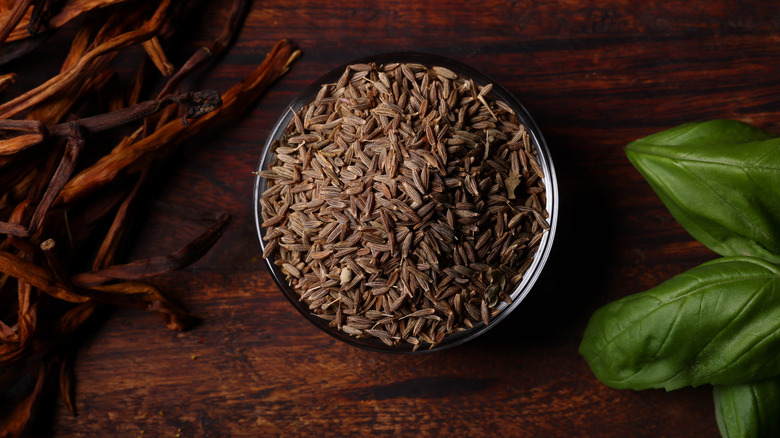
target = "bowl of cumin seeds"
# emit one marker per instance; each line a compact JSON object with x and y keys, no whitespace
{"x":405,"y":203}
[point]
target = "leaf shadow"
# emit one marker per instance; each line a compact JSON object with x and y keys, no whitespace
{"x":583,"y":248}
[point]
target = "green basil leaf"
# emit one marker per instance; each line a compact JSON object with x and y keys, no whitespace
{"x":720,"y":180}
{"x":748,"y":410}
{"x":718,"y":323}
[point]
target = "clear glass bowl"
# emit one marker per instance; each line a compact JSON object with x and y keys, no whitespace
{"x":543,"y":157}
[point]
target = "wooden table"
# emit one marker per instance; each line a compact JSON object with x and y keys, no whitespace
{"x":595,"y":75}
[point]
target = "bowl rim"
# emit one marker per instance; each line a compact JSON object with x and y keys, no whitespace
{"x":530,"y":276}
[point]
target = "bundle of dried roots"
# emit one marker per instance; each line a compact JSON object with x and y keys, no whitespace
{"x":56,"y":188}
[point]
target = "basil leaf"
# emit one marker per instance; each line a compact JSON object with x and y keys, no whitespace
{"x":720,"y":180}
{"x":718,"y":323}
{"x":748,"y":410}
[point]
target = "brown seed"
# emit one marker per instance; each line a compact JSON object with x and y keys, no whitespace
{"x":484,"y":312}
{"x":320,"y":255}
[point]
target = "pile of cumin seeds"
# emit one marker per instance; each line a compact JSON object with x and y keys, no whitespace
{"x":404,"y":203}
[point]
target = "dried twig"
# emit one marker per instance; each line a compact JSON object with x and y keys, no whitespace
{"x":156,"y":265}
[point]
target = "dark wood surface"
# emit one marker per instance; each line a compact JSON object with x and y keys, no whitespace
{"x":595,"y":75}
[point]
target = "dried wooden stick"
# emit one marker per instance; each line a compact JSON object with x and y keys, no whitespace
{"x":13,"y":17}
{"x":27,"y":314}
{"x":66,"y":379}
{"x":140,"y":295}
{"x":151,"y":267}
{"x":7,"y":334}
{"x":37,"y":277}
{"x":109,"y":247}
{"x":157,"y":55}
{"x":41,"y":13}
{"x":60,"y":177}
{"x":237,"y":13}
{"x":196,"y":104}
{"x":6,"y":80}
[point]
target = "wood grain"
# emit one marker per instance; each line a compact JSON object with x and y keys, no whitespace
{"x":595,"y":75}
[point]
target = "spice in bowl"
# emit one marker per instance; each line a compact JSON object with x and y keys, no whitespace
{"x":403,"y":203}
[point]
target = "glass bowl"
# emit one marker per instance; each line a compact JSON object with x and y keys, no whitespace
{"x":550,"y":190}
